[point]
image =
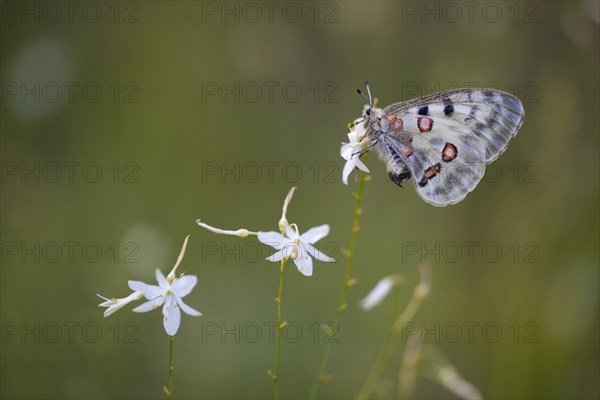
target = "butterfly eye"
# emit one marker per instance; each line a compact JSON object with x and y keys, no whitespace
{"x":369,"y":111}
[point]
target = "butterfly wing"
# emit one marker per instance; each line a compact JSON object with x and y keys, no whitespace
{"x":446,"y":139}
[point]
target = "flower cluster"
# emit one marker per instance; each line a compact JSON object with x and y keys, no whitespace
{"x":352,"y":150}
{"x":168,"y":294}
{"x":288,"y":242}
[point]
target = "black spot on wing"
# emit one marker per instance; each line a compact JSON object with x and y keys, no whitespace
{"x":478,"y":130}
{"x":424,"y":110}
{"x":492,"y":119}
{"x":472,"y":112}
{"x":489,"y":95}
{"x":448,"y":110}
{"x":394,"y":154}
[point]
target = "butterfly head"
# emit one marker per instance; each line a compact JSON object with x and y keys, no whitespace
{"x":370,"y":110}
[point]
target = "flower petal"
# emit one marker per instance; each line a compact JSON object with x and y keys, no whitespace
{"x":107,"y":302}
{"x":379,"y":292}
{"x":348,"y":168}
{"x":187,"y":309}
{"x":275,"y":256}
{"x":160,"y":278}
{"x":171,"y":316}
{"x":346,"y":151}
{"x":273,"y":239}
{"x":149,"y":291}
{"x":291,"y":233}
{"x":315,"y":234}
{"x":304,"y":264}
{"x":318,"y":255}
{"x":358,"y":162}
{"x":181,"y":254}
{"x":116,"y":304}
{"x":181,"y":287}
{"x":149,"y":305}
{"x":353,"y":136}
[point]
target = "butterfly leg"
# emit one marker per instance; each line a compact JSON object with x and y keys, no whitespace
{"x":365,"y":150}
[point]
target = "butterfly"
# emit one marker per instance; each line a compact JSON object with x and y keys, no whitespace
{"x":442,"y":141}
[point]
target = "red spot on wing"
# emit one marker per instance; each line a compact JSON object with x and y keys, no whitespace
{"x":406,"y":150}
{"x":449,"y":152}
{"x":395,"y":122}
{"x":398,"y":125}
{"x":432,"y":171}
{"x":425,"y":124}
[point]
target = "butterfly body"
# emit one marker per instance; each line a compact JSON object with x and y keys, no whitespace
{"x":443,"y":141}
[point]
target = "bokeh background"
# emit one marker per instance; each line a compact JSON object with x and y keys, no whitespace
{"x":214,"y":110}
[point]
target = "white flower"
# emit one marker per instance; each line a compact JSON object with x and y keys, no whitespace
{"x":116,"y":304}
{"x":169,"y":293}
{"x":296,"y":247}
{"x":351,"y":151}
{"x":379,"y":292}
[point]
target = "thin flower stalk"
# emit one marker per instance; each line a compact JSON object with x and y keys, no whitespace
{"x":169,"y":294}
{"x":169,"y":391}
{"x":419,"y":294}
{"x":280,"y":326}
{"x":347,"y":283}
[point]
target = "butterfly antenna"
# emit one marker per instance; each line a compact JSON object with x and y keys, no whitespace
{"x":363,"y":95}
{"x":369,"y":91}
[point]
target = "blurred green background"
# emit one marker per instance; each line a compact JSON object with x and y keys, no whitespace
{"x":163,"y":98}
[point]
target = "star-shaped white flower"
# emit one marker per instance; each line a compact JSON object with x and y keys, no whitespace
{"x":296,"y":247}
{"x":351,"y":151}
{"x":169,"y":294}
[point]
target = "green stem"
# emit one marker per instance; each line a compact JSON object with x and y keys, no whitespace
{"x":170,"y":393}
{"x":280,"y":327}
{"x":347,"y":283}
{"x":388,"y":345}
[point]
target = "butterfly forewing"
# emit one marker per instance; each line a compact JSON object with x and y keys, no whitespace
{"x":445,"y":140}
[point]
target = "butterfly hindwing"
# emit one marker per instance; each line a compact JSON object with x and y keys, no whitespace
{"x":445,"y":140}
